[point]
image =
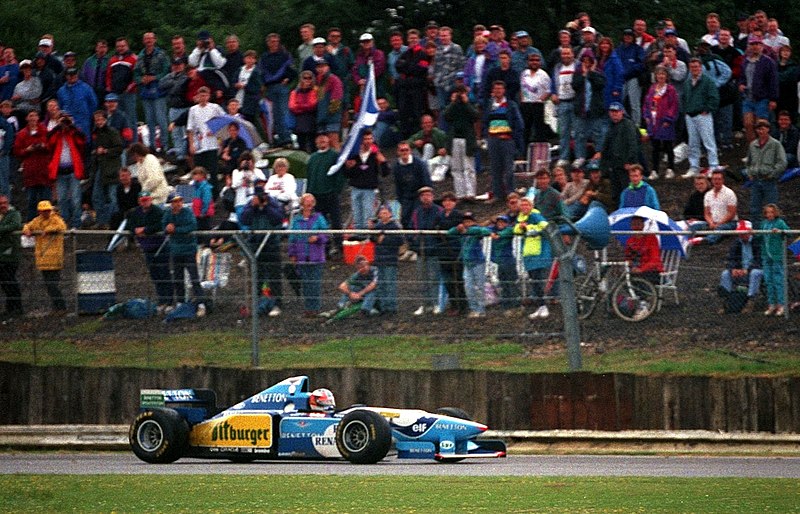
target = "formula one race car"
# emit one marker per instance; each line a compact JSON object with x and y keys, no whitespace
{"x":286,"y":421}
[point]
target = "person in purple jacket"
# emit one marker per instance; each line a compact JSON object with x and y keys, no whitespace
{"x":307,"y":253}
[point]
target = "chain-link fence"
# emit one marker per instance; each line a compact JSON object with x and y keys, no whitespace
{"x":693,"y":313}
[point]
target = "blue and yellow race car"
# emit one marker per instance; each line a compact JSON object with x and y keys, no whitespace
{"x":287,"y":421}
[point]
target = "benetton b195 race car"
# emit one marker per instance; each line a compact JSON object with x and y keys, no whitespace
{"x":286,"y":421}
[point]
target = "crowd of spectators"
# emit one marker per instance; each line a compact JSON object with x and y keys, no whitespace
{"x":69,"y":131}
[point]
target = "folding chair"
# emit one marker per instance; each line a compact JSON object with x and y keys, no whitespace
{"x":538,"y":157}
{"x":668,"y":279}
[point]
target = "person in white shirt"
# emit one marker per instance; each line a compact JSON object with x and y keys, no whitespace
{"x":243,"y":180}
{"x":534,"y":91}
{"x":719,"y":205}
{"x":203,"y":143}
{"x":281,"y":185}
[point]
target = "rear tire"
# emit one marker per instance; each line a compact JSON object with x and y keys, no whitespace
{"x":159,"y":436}
{"x":586,"y":295}
{"x":363,"y":437}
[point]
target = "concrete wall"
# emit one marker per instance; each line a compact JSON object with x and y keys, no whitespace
{"x":505,"y":401}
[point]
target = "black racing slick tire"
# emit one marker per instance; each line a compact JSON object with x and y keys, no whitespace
{"x":159,"y":436}
{"x":363,"y":437}
{"x":454,"y":412}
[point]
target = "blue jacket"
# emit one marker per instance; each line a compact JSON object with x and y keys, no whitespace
{"x":182,"y":241}
{"x":7,"y":139}
{"x":268,"y":217}
{"x":276,"y":66}
{"x":643,"y":194}
{"x":615,"y":79}
{"x":765,"y":79}
{"x":472,"y":244}
{"x":425,"y":218}
{"x":80,"y":102}
{"x":632,"y":59}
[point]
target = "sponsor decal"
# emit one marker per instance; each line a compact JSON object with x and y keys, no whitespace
{"x":416,"y":429}
{"x":447,"y":445}
{"x":325,"y":444}
{"x":237,"y":431}
{"x":151,"y":398}
{"x":269,"y":398}
{"x":455,"y":427}
{"x":180,"y":395}
{"x":389,"y":414}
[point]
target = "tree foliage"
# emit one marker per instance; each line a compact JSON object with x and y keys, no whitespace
{"x":77,"y":24}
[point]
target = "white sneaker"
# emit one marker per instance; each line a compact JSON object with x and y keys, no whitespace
{"x":420,"y":311}
{"x":437,"y":311}
{"x":653,"y":175}
{"x":201,"y":310}
{"x":641,"y":312}
{"x":541,"y":312}
{"x":577,"y":163}
{"x":669,"y":174}
{"x":693,"y":172}
{"x":274,"y":312}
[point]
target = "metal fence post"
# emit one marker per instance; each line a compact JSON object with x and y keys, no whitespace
{"x":572,"y":333}
{"x":252,"y":260}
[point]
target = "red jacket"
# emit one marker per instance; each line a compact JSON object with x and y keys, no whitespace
{"x":643,"y":252}
{"x":302,"y":102}
{"x":76,"y":142}
{"x":34,"y":160}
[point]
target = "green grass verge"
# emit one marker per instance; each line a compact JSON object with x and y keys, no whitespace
{"x":225,"y":349}
{"x":331,"y":494}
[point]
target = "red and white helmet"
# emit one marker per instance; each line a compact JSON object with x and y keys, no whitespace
{"x":321,"y":400}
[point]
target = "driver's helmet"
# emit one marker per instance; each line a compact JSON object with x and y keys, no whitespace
{"x":321,"y":400}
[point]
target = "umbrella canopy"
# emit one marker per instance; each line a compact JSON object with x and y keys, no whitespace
{"x":298,"y":160}
{"x":655,"y":221}
{"x":795,"y":247}
{"x":247,"y":131}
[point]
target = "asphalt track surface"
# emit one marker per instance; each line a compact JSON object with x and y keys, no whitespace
{"x":523,"y":465}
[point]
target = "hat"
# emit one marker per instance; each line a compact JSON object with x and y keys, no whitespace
{"x":318,"y":41}
{"x":744,"y":226}
{"x":586,"y":52}
{"x":616,"y":106}
{"x":661,"y":24}
{"x":174,"y":196}
{"x":45,"y":42}
{"x":521,"y":33}
{"x":496,"y":27}
{"x":762,"y":123}
{"x":468,"y":216}
{"x":40,"y":55}
{"x":44,"y":205}
{"x":112,"y":97}
{"x":504,"y":218}
{"x":71,"y":71}
{"x":366,"y":36}
{"x":432,"y":25}
{"x":70,"y":54}
{"x":145,"y":194}
{"x":179,"y":60}
{"x":320,"y":61}
{"x":628,"y":32}
{"x":25,"y":62}
{"x":670,"y":32}
{"x":754,"y":39}
{"x":459,"y":75}
{"x":424,"y":189}
{"x":203,"y":35}
{"x":589,"y":29}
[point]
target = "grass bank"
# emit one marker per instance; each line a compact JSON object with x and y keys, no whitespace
{"x":225,"y":349}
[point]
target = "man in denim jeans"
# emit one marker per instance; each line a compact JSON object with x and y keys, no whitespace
{"x":277,"y":71}
{"x":152,"y":64}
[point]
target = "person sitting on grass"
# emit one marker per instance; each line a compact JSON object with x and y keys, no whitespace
{"x":359,"y":289}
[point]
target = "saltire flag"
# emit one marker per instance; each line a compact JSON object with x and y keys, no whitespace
{"x":367,"y":117}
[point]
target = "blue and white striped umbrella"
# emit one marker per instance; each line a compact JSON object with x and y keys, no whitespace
{"x":655,"y":221}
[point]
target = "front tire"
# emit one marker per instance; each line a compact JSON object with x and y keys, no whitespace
{"x":363,"y":437}
{"x":159,"y":436}
{"x":634,"y":299}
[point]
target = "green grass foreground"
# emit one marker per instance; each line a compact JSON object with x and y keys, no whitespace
{"x":281,"y":493}
{"x":403,"y":353}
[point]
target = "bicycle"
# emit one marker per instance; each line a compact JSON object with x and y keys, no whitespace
{"x":630,"y":297}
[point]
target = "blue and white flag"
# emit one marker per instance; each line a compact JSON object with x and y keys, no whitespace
{"x":367,"y":117}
